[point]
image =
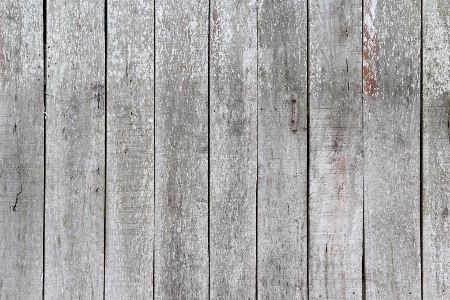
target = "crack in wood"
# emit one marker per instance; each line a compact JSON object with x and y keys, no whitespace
{"x":14,"y":207}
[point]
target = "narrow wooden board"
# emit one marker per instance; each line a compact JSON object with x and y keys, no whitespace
{"x":335,"y":151}
{"x":130,"y":165}
{"x":282,"y":150}
{"x":181,"y":131}
{"x":436,"y":149}
{"x":391,"y":69}
{"x":75,"y":145}
{"x":233,"y":148}
{"x":21,"y":149}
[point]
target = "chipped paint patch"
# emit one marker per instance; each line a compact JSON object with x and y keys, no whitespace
{"x":370,"y":51}
{"x":436,"y":54}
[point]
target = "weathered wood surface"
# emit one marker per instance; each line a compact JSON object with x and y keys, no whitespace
{"x":392,"y":149}
{"x":336,"y":159}
{"x":233,"y":149}
{"x":206,"y":188}
{"x":75,"y":150}
{"x":282,"y":152}
{"x":181,"y":131}
{"x":436,"y":149}
{"x":130,"y":164}
{"x":21,"y":149}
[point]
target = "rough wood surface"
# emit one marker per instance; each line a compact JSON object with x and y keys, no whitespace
{"x":392,"y":153}
{"x":21,"y":149}
{"x":282,"y":150}
{"x":436,"y":149}
{"x":336,"y":162}
{"x":181,"y":130}
{"x":130,"y":167}
{"x":233,"y":146}
{"x":75,"y":145}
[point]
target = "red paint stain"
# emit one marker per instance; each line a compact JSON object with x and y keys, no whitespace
{"x":370,"y":59}
{"x":215,"y":31}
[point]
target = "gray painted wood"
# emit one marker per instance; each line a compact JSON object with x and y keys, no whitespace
{"x":436,"y":147}
{"x":282,"y":152}
{"x":75,"y":150}
{"x":392,"y":154}
{"x":181,"y":131}
{"x":336,"y":158}
{"x":21,"y":149}
{"x":130,"y":166}
{"x":233,"y":149}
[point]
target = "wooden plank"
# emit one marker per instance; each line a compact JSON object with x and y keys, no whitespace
{"x":436,"y":155}
{"x":75,"y":165}
{"x":181,"y":131}
{"x":130,"y":166}
{"x":21,"y":149}
{"x":233,"y":148}
{"x":336,"y":156}
{"x":282,"y":150}
{"x":392,"y":154}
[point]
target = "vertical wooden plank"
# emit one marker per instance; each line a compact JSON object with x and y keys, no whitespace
{"x":74,"y":207}
{"x":282,"y":150}
{"x":21,"y":149}
{"x":336,"y":157}
{"x":181,"y":131}
{"x":436,"y":149}
{"x":233,"y":146}
{"x":130,"y":167}
{"x":392,"y":148}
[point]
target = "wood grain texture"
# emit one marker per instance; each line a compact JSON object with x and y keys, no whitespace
{"x":233,"y":149}
{"x":75,"y":145}
{"x":336,"y":157}
{"x":282,"y":152}
{"x":392,"y":153}
{"x":21,"y":149}
{"x":130,"y":165}
{"x":181,"y":129}
{"x":436,"y":146}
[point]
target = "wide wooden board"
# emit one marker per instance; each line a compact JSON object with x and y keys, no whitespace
{"x":130,"y":155}
{"x":391,"y":70}
{"x":233,"y":148}
{"x":181,"y":145}
{"x":75,"y":150}
{"x":436,"y":149}
{"x":335,"y":150}
{"x":21,"y":149}
{"x":282,"y":150}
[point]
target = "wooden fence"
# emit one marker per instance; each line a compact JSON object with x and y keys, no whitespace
{"x":234,"y":149}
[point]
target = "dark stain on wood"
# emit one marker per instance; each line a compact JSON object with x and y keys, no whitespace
{"x":448,"y":123}
{"x":444,"y":213}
